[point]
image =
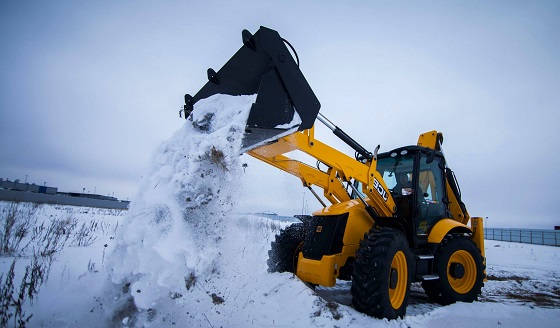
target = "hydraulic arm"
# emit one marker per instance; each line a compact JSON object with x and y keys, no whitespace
{"x":341,"y":168}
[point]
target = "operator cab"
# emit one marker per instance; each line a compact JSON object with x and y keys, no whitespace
{"x":415,"y":177}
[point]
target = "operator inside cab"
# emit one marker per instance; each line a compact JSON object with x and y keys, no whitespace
{"x":404,"y":184}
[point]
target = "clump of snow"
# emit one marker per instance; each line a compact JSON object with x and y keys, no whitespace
{"x":176,"y":221}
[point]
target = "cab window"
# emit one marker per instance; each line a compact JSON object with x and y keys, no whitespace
{"x":430,"y":196}
{"x":396,"y":171}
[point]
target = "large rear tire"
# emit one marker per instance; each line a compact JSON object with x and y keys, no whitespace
{"x":382,"y":274}
{"x":284,"y":250}
{"x":460,"y":268}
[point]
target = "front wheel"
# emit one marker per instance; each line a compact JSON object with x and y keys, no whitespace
{"x":460,"y":267}
{"x":381,"y":276}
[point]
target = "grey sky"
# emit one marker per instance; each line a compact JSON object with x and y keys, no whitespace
{"x":88,"y":90}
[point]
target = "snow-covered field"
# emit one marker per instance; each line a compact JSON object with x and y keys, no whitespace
{"x":523,"y":287}
{"x":180,"y":257}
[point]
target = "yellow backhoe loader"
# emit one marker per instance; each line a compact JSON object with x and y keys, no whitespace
{"x":395,"y":217}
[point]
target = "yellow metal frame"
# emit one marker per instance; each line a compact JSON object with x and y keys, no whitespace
{"x":325,"y":271}
{"x":428,"y":139}
{"x":454,"y":207}
{"x":340,"y":168}
{"x":343,"y":168}
{"x":477,"y":226}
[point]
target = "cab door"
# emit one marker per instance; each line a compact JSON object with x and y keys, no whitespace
{"x":430,"y":193}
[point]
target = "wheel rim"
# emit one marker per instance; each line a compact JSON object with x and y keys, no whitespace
{"x":465,"y":282}
{"x":396,"y":295}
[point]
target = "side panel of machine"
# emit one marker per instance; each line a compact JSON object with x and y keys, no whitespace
{"x":320,"y":262}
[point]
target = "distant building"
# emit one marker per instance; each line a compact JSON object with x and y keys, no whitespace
{"x":30,"y":192}
{"x":16,"y":185}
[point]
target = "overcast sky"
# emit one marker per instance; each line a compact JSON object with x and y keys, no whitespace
{"x":88,"y":89}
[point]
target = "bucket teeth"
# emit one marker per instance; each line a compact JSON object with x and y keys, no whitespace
{"x":188,"y":107}
{"x":248,"y":40}
{"x":212,"y":76}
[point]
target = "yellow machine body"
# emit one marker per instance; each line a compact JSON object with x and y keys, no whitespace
{"x":343,"y":168}
{"x":325,"y":271}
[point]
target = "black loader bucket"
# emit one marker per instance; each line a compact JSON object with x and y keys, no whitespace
{"x":264,"y":66}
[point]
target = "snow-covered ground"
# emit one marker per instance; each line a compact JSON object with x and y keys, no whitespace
{"x":523,"y":288}
{"x":180,"y":257}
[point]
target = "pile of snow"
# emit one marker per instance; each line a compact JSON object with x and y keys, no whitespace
{"x":182,"y":257}
{"x":177,"y":220}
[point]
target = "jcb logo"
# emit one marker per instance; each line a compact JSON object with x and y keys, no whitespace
{"x":380,"y":189}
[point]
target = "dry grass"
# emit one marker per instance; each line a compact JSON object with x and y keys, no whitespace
{"x":13,"y":297}
{"x":17,"y":221}
{"x":21,"y":236}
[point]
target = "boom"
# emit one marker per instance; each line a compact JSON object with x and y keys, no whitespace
{"x":341,"y":168}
